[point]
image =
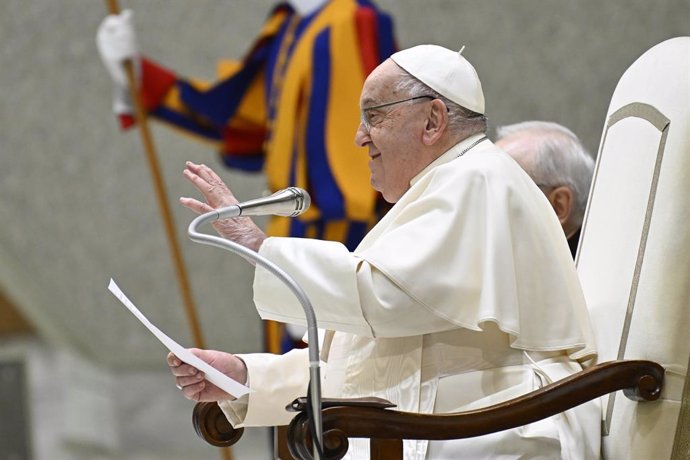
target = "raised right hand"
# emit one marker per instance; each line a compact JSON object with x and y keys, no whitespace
{"x":241,"y":230}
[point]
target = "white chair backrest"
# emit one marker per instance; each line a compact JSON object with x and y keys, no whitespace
{"x":634,"y":253}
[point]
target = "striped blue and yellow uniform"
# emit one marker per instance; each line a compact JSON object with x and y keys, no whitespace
{"x":290,"y":108}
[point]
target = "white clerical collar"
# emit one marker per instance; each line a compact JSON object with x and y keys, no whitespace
{"x":451,"y":154}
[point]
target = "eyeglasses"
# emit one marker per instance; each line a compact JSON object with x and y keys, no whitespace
{"x":364,"y":116}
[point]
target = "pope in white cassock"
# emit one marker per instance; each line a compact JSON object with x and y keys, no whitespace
{"x":464,"y":294}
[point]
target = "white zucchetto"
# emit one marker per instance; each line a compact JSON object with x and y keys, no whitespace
{"x":446,"y":72}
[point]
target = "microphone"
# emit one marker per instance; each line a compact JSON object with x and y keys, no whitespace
{"x":289,"y":202}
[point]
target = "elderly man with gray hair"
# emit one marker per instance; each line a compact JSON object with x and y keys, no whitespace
{"x":557,"y":161}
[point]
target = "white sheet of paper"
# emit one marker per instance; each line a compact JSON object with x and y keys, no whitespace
{"x":212,"y":374}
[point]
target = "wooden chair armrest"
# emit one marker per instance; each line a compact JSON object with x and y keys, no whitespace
{"x":212,"y":426}
{"x":640,"y":381}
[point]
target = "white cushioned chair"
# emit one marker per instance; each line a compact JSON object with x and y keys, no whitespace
{"x":634,"y":253}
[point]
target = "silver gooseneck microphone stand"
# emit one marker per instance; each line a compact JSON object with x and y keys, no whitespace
{"x":312,"y":333}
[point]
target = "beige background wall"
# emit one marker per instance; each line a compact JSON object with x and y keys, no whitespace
{"x":76,"y":201}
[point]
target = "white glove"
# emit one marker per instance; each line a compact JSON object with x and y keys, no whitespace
{"x":117,"y":42}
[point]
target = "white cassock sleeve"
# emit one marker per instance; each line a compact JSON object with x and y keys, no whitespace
{"x":275,"y":381}
{"x":348,"y":294}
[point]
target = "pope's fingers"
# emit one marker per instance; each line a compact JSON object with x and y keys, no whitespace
{"x":201,"y":168}
{"x":173,"y":361}
{"x":184,"y":370}
{"x":193,"y":391}
{"x":193,"y":176}
{"x":210,"y":173}
{"x":208,"y":176}
{"x":187,"y":380}
{"x":195,"y":205}
{"x":214,"y":190}
{"x":191,"y":166}
{"x":203,"y":171}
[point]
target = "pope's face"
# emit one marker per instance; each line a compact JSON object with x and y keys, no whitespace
{"x":392,"y":134}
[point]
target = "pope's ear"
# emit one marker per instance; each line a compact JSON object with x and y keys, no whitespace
{"x":436,"y":122}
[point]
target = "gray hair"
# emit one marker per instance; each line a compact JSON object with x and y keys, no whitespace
{"x":461,"y":120}
{"x":559,"y":159}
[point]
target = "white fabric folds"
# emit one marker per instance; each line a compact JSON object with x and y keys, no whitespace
{"x":431,"y":265}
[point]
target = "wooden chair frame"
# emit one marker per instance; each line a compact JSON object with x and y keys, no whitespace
{"x":374,"y":419}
